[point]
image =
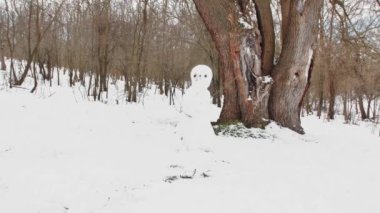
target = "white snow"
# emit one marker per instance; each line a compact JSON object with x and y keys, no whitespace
{"x":244,"y":24}
{"x":266,"y":79}
{"x":63,"y":154}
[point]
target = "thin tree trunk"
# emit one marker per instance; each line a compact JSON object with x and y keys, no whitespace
{"x":331,"y":110}
{"x":58,"y":77}
{"x":369,"y":102}
{"x":361,"y":107}
{"x":2,"y":61}
{"x":320,"y":103}
{"x":345,"y":111}
{"x":35,"y":78}
{"x":374,"y":108}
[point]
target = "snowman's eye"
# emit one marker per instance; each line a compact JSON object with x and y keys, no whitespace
{"x":195,"y":76}
{"x":205,"y":76}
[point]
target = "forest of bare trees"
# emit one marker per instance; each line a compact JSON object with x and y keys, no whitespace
{"x":140,"y":41}
{"x":271,"y":59}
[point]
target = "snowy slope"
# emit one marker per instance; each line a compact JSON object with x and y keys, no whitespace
{"x":60,"y":153}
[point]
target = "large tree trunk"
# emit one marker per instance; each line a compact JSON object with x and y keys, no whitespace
{"x":230,"y":110}
{"x":216,"y":26}
{"x":292,"y":73}
{"x":245,"y":89}
{"x":253,"y":90}
{"x":245,"y":59}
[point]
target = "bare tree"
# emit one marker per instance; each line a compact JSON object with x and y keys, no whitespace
{"x":291,"y":74}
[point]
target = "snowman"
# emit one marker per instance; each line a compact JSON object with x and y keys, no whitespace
{"x":196,"y":106}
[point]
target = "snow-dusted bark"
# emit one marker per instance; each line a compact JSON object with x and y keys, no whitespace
{"x":257,"y":85}
{"x":238,"y":42}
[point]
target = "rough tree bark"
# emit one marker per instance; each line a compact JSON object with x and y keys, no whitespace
{"x":214,"y":15}
{"x":292,"y":73}
{"x":266,"y":27}
{"x":245,"y":88}
{"x":245,"y":59}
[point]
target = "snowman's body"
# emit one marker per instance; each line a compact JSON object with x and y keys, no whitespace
{"x":196,"y":106}
{"x":196,"y":103}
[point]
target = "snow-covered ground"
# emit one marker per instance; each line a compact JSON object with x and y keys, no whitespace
{"x":60,"y":153}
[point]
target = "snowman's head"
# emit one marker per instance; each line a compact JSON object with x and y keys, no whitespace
{"x":201,"y":76}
